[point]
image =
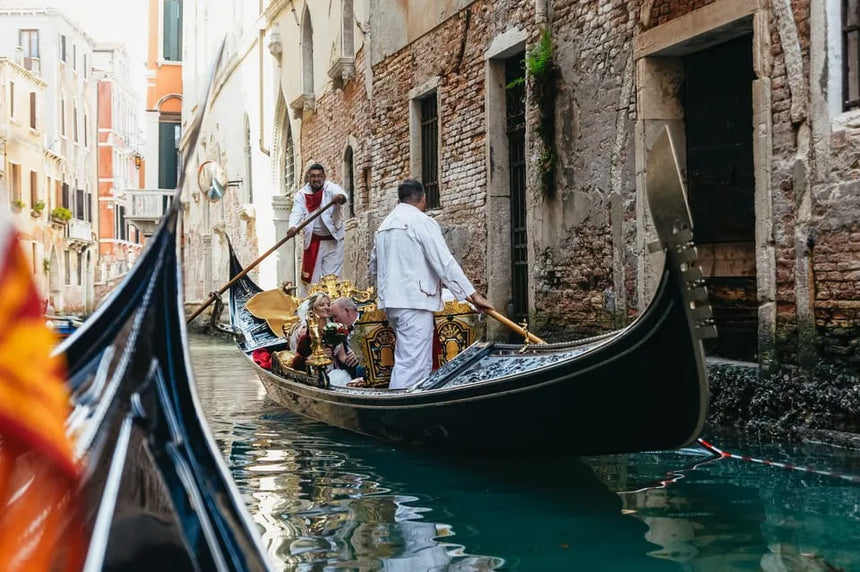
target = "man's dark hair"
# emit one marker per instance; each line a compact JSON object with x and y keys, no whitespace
{"x":410,"y":191}
{"x":316,"y":167}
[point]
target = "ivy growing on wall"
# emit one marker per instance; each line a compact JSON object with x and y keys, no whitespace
{"x":542,"y":75}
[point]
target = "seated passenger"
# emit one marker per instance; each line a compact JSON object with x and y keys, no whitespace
{"x":340,"y":354}
{"x":344,"y":311}
{"x":300,"y":340}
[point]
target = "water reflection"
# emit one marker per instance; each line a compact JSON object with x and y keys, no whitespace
{"x":724,"y":514}
{"x":316,"y":502}
{"x":324,"y":498}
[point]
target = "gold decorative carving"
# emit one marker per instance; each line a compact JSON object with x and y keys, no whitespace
{"x":318,"y":357}
{"x":373,"y":338}
{"x":456,"y":329}
{"x":277,"y":307}
{"x":334,"y":288}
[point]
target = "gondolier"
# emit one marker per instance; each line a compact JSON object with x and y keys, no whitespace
{"x":410,"y":263}
{"x":323,"y":240}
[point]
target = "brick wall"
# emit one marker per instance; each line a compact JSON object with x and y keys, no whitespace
{"x":575,"y":264}
{"x":453,"y":52}
{"x":836,"y":263}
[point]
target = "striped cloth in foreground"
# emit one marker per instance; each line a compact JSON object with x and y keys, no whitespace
{"x":39,"y":517}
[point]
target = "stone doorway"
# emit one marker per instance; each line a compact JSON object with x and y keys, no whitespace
{"x":705,"y":76}
{"x":507,"y":203}
{"x":718,"y":125}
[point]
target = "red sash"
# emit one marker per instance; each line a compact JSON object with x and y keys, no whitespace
{"x":309,"y":258}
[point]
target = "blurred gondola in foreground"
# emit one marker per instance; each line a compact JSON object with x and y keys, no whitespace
{"x":156,"y":494}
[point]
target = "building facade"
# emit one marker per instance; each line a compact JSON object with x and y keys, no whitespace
{"x":49,"y":46}
{"x":164,"y":93}
{"x":530,"y":123}
{"x":120,"y":162}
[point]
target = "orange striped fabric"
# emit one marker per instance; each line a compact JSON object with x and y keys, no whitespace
{"x":38,"y":474}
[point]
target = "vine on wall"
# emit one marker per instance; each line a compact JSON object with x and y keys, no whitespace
{"x":542,"y":73}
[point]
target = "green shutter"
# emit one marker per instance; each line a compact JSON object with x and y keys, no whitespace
{"x":167,"y":155}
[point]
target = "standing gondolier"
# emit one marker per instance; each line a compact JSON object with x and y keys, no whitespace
{"x":323,"y":240}
{"x":410,"y":263}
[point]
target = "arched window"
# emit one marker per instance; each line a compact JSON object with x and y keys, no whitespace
{"x":289,"y":160}
{"x":348,"y":26}
{"x":307,"y":54}
{"x":349,"y":178}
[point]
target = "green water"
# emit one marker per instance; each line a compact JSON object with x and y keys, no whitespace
{"x":327,"y":499}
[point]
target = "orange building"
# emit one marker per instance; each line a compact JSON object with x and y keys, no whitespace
{"x":164,"y":93}
{"x":120,"y":164}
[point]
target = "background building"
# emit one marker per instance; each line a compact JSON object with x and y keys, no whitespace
{"x":23,"y":181}
{"x":52,"y":48}
{"x":121,"y":166}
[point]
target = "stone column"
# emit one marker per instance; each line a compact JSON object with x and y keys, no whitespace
{"x":151,"y":174}
{"x":286,"y":255}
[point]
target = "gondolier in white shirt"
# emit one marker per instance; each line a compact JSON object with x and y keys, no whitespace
{"x":410,"y":264}
{"x":323,"y":240}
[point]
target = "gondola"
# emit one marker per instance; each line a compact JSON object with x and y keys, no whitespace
{"x":643,"y":387}
{"x":156,"y":494}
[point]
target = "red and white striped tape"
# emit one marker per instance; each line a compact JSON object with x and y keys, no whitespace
{"x":788,"y":466}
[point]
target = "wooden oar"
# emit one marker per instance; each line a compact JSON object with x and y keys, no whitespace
{"x":514,"y":326}
{"x":214,"y":295}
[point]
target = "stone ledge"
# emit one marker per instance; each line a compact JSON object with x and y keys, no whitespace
{"x":341,"y":71}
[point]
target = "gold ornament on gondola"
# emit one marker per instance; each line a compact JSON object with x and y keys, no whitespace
{"x":318,"y":357}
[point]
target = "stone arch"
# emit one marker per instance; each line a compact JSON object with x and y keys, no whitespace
{"x":350,"y":183}
{"x":285,"y":175}
{"x":283,"y":150}
{"x":170,"y":103}
{"x":307,"y":53}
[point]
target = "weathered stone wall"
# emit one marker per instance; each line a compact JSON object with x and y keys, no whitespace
{"x":452,"y":53}
{"x":789,"y":176}
{"x":582,"y":237}
{"x":584,"y":253}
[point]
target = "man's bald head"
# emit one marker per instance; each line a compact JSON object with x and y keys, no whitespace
{"x":344,"y":310}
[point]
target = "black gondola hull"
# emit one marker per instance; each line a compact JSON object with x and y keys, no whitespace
{"x":633,"y":392}
{"x":641,"y":388}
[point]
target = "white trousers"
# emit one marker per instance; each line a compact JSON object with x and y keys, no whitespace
{"x":413,"y":351}
{"x":329,"y":261}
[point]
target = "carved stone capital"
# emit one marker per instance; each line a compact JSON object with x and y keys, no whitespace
{"x":303,"y":103}
{"x":281,"y":205}
{"x":276,"y":48}
{"x":341,"y":71}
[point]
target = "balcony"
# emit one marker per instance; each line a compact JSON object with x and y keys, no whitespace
{"x":145,"y":207}
{"x":79,"y":235}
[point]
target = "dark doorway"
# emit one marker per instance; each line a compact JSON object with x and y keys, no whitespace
{"x":515,"y":99}
{"x":721,"y":188}
{"x":168,"y":155}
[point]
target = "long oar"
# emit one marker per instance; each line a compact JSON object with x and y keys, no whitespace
{"x":214,"y":295}
{"x":514,"y":326}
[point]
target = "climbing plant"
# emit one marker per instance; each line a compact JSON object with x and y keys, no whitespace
{"x":542,"y":74}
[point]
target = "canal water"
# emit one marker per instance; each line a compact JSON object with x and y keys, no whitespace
{"x":327,"y":499}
